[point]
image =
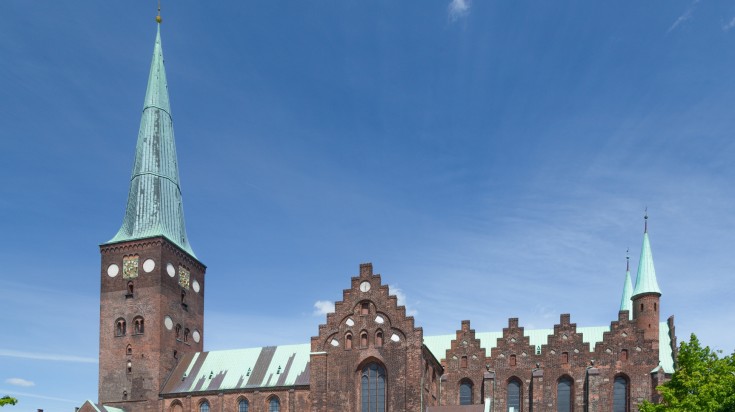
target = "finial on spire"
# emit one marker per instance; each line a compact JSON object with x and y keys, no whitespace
{"x":158,"y":17}
{"x":645,"y":221}
{"x":627,"y":259}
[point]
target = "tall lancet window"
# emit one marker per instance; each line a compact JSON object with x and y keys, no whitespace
{"x":620,"y":394}
{"x":564,"y":395}
{"x":373,"y":388}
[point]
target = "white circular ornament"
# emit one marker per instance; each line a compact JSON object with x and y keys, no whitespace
{"x":364,"y":286}
{"x":168,"y":322}
{"x":350,"y":322}
{"x":170,"y":269}
{"x":379,"y":319}
{"x":113,"y":270}
{"x":149,"y":265}
{"x":395,"y":338}
{"x":196,"y":336}
{"x":195,"y":286}
{"x":334,"y":342}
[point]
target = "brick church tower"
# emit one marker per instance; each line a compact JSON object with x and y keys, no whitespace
{"x":152,"y":284}
{"x":647,"y":295}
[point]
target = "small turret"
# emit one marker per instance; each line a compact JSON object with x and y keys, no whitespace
{"x":625,"y":302}
{"x":646,"y":295}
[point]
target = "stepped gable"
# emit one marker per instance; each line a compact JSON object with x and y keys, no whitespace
{"x":371,"y":311}
{"x":625,"y":344}
{"x":565,"y":348}
{"x":464,"y":362}
{"x":514,"y":343}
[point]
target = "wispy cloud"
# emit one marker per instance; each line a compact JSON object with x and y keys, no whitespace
{"x":458,"y":9}
{"x":729,"y":25}
{"x":401,"y":295}
{"x":684,"y":16}
{"x":322,"y":307}
{"x":19,"y":382}
{"x":46,"y":356}
{"x":33,"y":395}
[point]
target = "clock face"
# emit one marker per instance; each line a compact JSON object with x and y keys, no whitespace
{"x":170,"y":270}
{"x":364,"y":286}
{"x":149,"y":265}
{"x":113,"y":270}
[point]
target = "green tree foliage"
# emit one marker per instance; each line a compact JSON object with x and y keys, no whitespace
{"x":703,"y":382}
{"x":7,"y":400}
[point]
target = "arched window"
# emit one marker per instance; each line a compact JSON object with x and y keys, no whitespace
{"x":120,"y":327}
{"x":178,"y":331}
{"x":365,"y":308}
{"x":620,"y":394}
{"x":204,"y":407}
{"x":378,"y":338}
{"x":348,"y":341}
{"x":138,"y":325}
{"x":465,"y":392}
{"x":186,"y":335}
{"x":131,"y":288}
{"x":372,"y":385}
{"x":274,"y":404}
{"x":512,"y":360}
{"x":565,"y":357}
{"x":176,"y":407}
{"x":129,"y":350}
{"x":463,"y":362}
{"x":514,"y":395}
{"x":363,"y":339}
{"x":243,"y":406}
{"x":564,"y":395}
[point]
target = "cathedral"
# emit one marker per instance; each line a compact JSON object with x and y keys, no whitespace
{"x":367,"y":356}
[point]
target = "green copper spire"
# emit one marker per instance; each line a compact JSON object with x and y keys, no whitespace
{"x":645,"y":281}
{"x":154,"y":201}
{"x":626,"y":303}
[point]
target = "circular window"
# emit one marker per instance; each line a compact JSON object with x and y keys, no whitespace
{"x":195,"y":286}
{"x":168,"y":322}
{"x":149,"y":265}
{"x":170,"y":270}
{"x":113,"y":270}
{"x":197,"y":337}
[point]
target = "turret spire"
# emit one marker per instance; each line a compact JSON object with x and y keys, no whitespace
{"x":154,"y":201}
{"x":645,"y":281}
{"x":625,"y":301}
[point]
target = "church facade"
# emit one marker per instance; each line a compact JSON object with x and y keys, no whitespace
{"x":367,"y":356}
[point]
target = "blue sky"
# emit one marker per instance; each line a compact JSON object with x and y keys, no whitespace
{"x":491,"y":158}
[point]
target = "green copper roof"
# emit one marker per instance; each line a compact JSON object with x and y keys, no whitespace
{"x":154,"y":201}
{"x":645,"y":281}
{"x":626,"y":303}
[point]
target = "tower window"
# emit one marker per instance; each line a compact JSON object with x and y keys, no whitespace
{"x":138,"y":325}
{"x":125,"y":395}
{"x":463,"y":362}
{"x":186,"y":335}
{"x":365,"y":308}
{"x":655,"y":306}
{"x":131,"y":289}
{"x":129,"y":350}
{"x":363,"y":339}
{"x":512,"y":360}
{"x":641,"y":307}
{"x":178,"y":332}
{"x":624,"y":354}
{"x":379,"y":338}
{"x":565,"y":357}
{"x":120,"y":327}
{"x":348,"y":341}
{"x":130,"y":366}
